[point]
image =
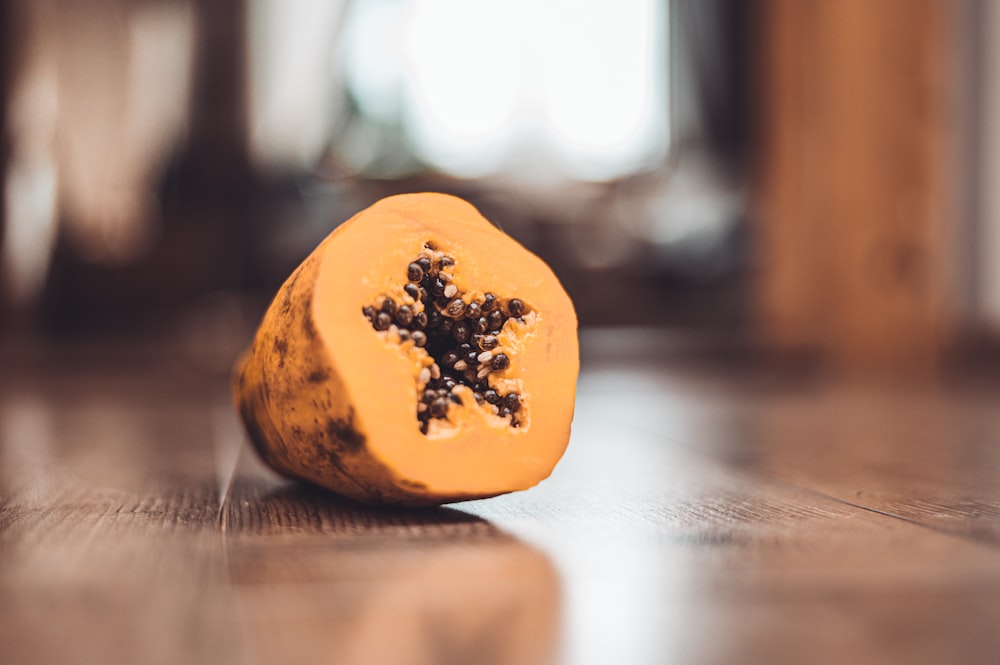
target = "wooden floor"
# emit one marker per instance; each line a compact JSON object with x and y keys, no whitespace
{"x":701,"y":515}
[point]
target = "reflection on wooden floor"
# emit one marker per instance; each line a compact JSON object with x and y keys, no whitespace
{"x":319,"y":579}
{"x":699,"y":516}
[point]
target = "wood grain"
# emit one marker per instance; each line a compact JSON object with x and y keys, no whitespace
{"x":108,"y":551}
{"x":699,"y":516}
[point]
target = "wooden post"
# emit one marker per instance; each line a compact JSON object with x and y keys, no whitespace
{"x":854,"y":198}
{"x":6,"y":54}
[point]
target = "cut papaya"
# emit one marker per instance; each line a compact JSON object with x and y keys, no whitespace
{"x":418,"y":356}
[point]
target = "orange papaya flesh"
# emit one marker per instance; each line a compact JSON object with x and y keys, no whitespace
{"x":418,"y":356}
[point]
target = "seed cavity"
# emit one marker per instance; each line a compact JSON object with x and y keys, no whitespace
{"x":461,"y":333}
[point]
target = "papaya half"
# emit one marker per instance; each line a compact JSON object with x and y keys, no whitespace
{"x":418,"y":356}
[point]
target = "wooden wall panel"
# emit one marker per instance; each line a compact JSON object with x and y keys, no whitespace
{"x":854,"y":196}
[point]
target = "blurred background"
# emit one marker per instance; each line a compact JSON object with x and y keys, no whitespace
{"x":779,"y":221}
{"x":806,"y":180}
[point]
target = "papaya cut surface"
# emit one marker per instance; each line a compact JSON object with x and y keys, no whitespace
{"x":418,"y":356}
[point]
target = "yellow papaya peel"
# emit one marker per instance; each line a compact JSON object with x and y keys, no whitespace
{"x":418,"y":356}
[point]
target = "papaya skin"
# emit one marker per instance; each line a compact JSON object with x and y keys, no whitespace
{"x":325,"y":399}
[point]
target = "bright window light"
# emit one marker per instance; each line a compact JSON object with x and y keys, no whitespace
{"x":603,"y":85}
{"x":571,"y":90}
{"x":464,"y":87}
